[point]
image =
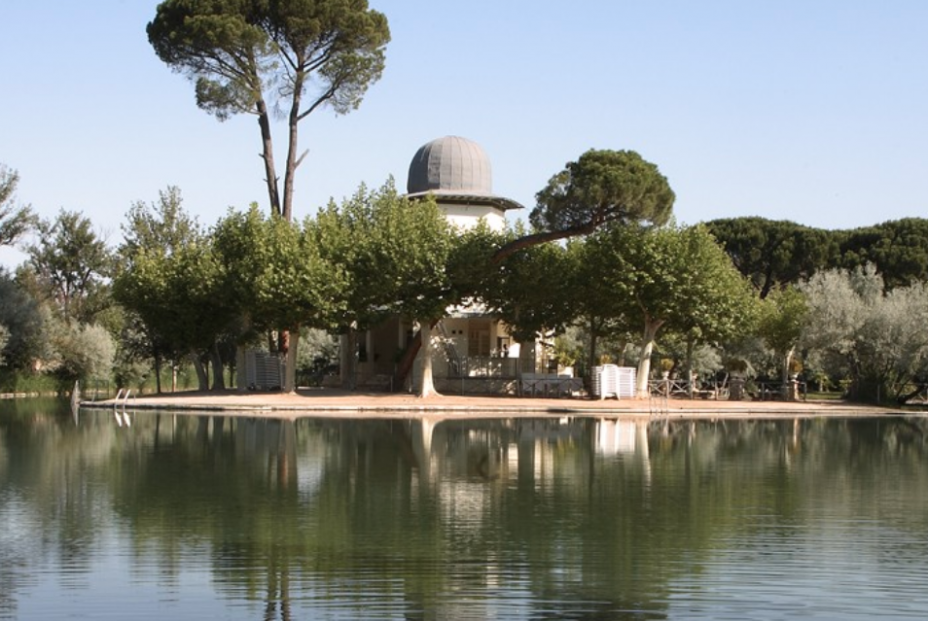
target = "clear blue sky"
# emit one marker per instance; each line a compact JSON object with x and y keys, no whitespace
{"x":816,"y":112}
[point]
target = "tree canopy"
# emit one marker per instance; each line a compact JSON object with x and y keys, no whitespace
{"x":601,"y":187}
{"x":252,"y":56}
{"x":153,"y":235}
{"x":774,"y":253}
{"x":532,"y":291}
{"x":898,"y":249}
{"x":15,"y":220}
{"x":71,"y":264}
{"x":668,"y":278}
{"x":780,"y":324}
{"x":23,"y":322}
{"x":394,"y":256}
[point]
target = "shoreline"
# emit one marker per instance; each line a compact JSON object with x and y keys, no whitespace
{"x":329,"y":402}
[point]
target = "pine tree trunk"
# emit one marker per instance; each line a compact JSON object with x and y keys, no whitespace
{"x":292,"y":140}
{"x":267,"y":154}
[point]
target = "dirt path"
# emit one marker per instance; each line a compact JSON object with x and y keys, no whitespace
{"x":333,"y":402}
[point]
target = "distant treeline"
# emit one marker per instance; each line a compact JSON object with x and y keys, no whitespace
{"x":774,"y":253}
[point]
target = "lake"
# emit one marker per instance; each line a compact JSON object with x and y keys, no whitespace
{"x":156,"y":515}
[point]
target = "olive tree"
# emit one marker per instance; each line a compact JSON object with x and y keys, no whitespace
{"x":83,"y":352}
{"x":878,"y":339}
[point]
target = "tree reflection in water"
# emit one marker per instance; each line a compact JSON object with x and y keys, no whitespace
{"x":425,"y":519}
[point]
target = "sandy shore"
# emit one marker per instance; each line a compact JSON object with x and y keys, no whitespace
{"x":338,"y":403}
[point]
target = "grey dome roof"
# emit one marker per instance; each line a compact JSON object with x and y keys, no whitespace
{"x":450,"y":165}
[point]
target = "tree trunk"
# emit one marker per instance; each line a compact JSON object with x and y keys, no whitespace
{"x":535,"y":239}
{"x":784,"y":374}
{"x":289,"y":383}
{"x":787,"y":359}
{"x":651,"y":327}
{"x":158,"y":373}
{"x":241,"y":368}
{"x":219,"y":382}
{"x":592,"y":360}
{"x":350,"y":372}
{"x":292,"y":142}
{"x":404,"y":367}
{"x":202,"y":378}
{"x":594,"y":342}
{"x":267,"y":154}
{"x":689,"y":368}
{"x":426,"y":385}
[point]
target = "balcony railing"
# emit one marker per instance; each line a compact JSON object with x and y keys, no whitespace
{"x":487,"y":366}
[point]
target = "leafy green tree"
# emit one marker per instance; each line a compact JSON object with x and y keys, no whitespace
{"x":22,"y":320}
{"x":275,"y":278}
{"x":295,"y":55}
{"x":163,"y":224}
{"x":468,"y":275}
{"x":180,"y":298}
{"x":781,"y":322}
{"x":15,"y":220}
{"x":71,"y":266}
{"x":397,"y":257}
{"x":417,"y":245}
{"x":774,"y":253}
{"x":421,"y":244}
{"x":601,"y":187}
{"x":604,"y":326}
{"x":152,"y":232}
{"x":355,"y":238}
{"x":531,"y":291}
{"x":670,"y":278}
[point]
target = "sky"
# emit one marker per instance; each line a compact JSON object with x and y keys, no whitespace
{"x":815,"y":112}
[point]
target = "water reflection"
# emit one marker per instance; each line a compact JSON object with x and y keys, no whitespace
{"x":534,"y":518}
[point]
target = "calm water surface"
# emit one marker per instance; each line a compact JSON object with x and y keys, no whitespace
{"x":156,"y":516}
